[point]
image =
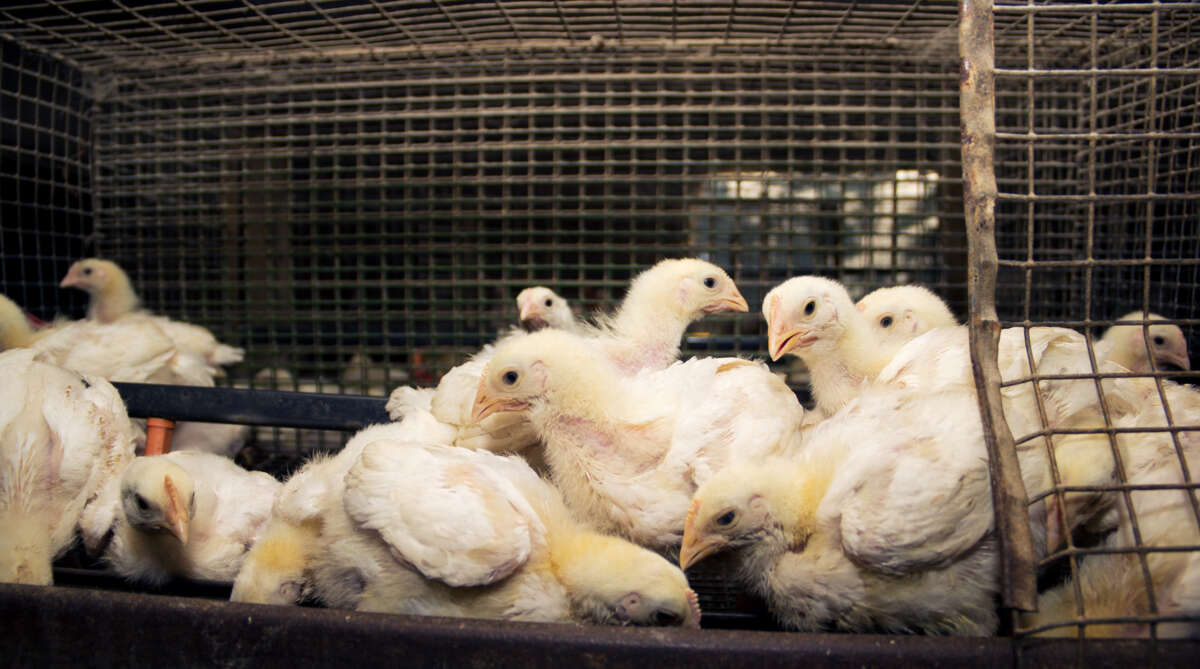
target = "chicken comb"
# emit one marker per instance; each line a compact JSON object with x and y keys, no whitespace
{"x":689,"y":525}
{"x":693,"y":606}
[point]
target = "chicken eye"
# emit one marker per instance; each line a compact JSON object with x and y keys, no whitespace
{"x":665,"y":617}
{"x":726,"y":519}
{"x":886,"y":321}
{"x":549,"y":302}
{"x":509,"y":378}
{"x":141,"y":502}
{"x":809,"y":307}
{"x":710,"y":282}
{"x":1159,"y":341}
{"x":87,"y":271}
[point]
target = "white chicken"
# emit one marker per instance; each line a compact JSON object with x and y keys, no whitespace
{"x":131,"y":350}
{"x":882,"y":523}
{"x":939,"y":360}
{"x":629,"y":451}
{"x":182,"y":514}
{"x":113,"y":299}
{"x":1113,"y":585}
{"x":644,"y":333}
{"x":814,"y":319}
{"x":123,"y":351}
{"x":1127,"y":345}
{"x":431,"y":529}
{"x":276,"y":569}
{"x":539,"y":307}
{"x":898,"y":314}
{"x":62,"y":438}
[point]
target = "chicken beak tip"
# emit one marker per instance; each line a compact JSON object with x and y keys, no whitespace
{"x":480,"y":411}
{"x":739,"y":303}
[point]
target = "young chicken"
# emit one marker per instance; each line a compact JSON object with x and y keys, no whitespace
{"x":882,"y":523}
{"x":132,"y":351}
{"x":276,"y":570}
{"x":898,"y":314}
{"x":939,"y":362}
{"x":62,"y":438}
{"x":113,"y":299}
{"x":644,"y":333}
{"x":1127,"y":345}
{"x":628,"y":451}
{"x":450,"y":401}
{"x":123,"y":351}
{"x":1113,"y":585}
{"x":182,"y":514}
{"x":431,"y":529}
{"x":814,"y":319}
{"x":539,"y":307}
{"x":119,"y":351}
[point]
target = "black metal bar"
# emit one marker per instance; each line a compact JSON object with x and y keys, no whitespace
{"x":320,"y":411}
{"x":54,"y":626}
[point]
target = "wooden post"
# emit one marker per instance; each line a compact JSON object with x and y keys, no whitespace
{"x":977,"y":100}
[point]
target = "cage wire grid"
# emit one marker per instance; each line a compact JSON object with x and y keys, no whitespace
{"x":355,"y":192}
{"x":1108,"y":111}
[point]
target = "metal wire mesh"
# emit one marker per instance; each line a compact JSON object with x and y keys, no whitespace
{"x":1097,"y":217}
{"x":317,"y":184}
{"x":355,"y":192}
{"x":45,"y":183}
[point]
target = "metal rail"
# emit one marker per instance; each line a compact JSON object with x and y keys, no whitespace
{"x":253,"y":407}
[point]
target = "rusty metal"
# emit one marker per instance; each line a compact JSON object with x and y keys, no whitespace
{"x":55,"y":626}
{"x":978,"y":108}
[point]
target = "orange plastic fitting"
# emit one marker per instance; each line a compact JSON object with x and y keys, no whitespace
{"x":158,"y":435}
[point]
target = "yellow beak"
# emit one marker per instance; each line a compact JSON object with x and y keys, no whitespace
{"x":695,"y":548}
{"x":731,"y":301}
{"x":71,"y":279}
{"x":486,"y":405}
{"x":176,"y":514}
{"x":527,"y":310}
{"x":780,"y":341}
{"x":1177,"y":358}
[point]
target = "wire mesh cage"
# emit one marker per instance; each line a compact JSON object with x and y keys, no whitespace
{"x":355,"y":192}
{"x":1097,"y":222}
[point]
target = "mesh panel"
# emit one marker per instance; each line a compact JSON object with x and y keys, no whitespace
{"x":1097,"y":217}
{"x":325,"y":184}
{"x":45,"y":180}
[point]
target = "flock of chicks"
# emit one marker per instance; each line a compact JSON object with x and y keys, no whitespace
{"x":561,"y":474}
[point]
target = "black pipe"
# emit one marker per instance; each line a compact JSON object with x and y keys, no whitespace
{"x":321,"y":411}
